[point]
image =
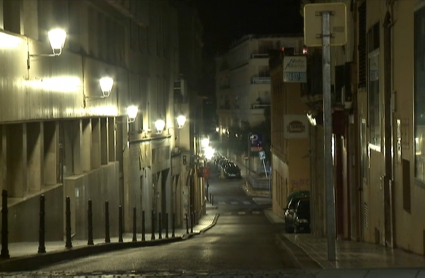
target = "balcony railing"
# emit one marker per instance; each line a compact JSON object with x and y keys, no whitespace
{"x":260,"y":55}
{"x":260,"y":106}
{"x":260,"y":80}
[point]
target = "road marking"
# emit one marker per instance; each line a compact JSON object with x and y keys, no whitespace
{"x":221,"y":203}
{"x":234,"y":203}
{"x":227,"y":213}
{"x":247,"y":202}
{"x":241,"y":212}
{"x":255,"y":212}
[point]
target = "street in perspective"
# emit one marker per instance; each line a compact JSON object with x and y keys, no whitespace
{"x":244,"y":241}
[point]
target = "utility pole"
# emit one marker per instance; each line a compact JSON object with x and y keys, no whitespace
{"x":318,"y":20}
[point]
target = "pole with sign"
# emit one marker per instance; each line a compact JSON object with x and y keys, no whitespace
{"x":327,"y":16}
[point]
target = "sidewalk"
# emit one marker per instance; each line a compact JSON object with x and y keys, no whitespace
{"x":24,"y":255}
{"x":356,"y":259}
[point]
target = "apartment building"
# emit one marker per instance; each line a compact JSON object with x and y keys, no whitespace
{"x":67,"y":139}
{"x":243,"y":92}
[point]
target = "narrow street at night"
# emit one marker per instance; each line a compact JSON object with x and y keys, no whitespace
{"x":243,"y":241}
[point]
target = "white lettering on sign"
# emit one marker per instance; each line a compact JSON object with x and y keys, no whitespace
{"x":295,"y":69}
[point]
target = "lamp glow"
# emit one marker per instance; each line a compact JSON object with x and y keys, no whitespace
{"x":205,"y":142}
{"x":132,"y":113}
{"x":159,"y":125}
{"x":57,"y":39}
{"x":180,"y":121}
{"x":8,"y":41}
{"x":209,"y":152}
{"x":106,"y":84}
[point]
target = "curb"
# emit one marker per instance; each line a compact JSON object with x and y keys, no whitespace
{"x":33,"y":262}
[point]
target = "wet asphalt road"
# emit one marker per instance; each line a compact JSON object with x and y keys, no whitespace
{"x":242,"y":240}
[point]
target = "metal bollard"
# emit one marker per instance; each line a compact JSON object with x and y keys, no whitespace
{"x":143,"y":225}
{"x":120,"y":220}
{"x":153,"y":225}
{"x":187,"y":224}
{"x":4,"y":230}
{"x":90,"y":224}
{"x":42,"y":228}
{"x":166,"y":225}
{"x":68,"y":243}
{"x":191,"y":223}
{"x":134,"y":225}
{"x":173,"y":225}
{"x":160,"y":225}
{"x":107,"y":238}
{"x":212,"y":200}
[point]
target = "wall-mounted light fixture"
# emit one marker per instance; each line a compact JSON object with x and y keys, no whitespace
{"x":159,"y":125}
{"x":57,"y":39}
{"x":181,"y":119}
{"x":106,"y":84}
{"x":132,"y":111}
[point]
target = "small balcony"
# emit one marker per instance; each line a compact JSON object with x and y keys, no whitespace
{"x":259,"y":56}
{"x":260,"y":105}
{"x":260,"y":80}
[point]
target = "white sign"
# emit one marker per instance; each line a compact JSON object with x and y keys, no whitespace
{"x":262,"y":155}
{"x":296,"y":126}
{"x":313,"y":23}
{"x":295,"y":69}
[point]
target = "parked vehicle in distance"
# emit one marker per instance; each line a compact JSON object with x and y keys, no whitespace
{"x":232,"y":171}
{"x":289,"y":215}
{"x":302,"y":216}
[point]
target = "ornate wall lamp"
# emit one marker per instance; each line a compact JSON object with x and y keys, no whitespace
{"x":181,"y":120}
{"x":106,"y":84}
{"x":159,"y":125}
{"x":57,"y":39}
{"x":132,"y":113}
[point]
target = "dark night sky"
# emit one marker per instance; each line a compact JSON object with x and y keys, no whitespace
{"x":228,"y":20}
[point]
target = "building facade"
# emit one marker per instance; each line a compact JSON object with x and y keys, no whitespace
{"x":65,"y":139}
{"x":243,"y":85}
{"x":290,"y":131}
{"x":377,"y":133}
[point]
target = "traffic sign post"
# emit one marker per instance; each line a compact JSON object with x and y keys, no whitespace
{"x":331,"y":17}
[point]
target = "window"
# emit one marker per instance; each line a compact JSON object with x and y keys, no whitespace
{"x":373,"y":87}
{"x":419,"y":93}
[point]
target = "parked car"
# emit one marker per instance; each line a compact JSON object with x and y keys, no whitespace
{"x":290,"y":212}
{"x":232,"y":171}
{"x":302,"y":216}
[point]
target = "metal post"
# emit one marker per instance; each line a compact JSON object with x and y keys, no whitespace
{"x":4,"y":230}
{"x":107,"y":238}
{"x":41,"y":229}
{"x":187,"y":224}
{"x":90,"y":224}
{"x":68,"y":243}
{"x":327,"y":122}
{"x":166,"y":225}
{"x":120,"y":224}
{"x":153,"y":225}
{"x":160,"y":225}
{"x":191,"y":222}
{"x":134,"y":225}
{"x":173,"y":225}
{"x":143,"y":226}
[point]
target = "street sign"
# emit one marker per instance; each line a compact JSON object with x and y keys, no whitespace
{"x":256,"y":142}
{"x":313,"y":23}
{"x":262,"y":155}
{"x":295,"y":69}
